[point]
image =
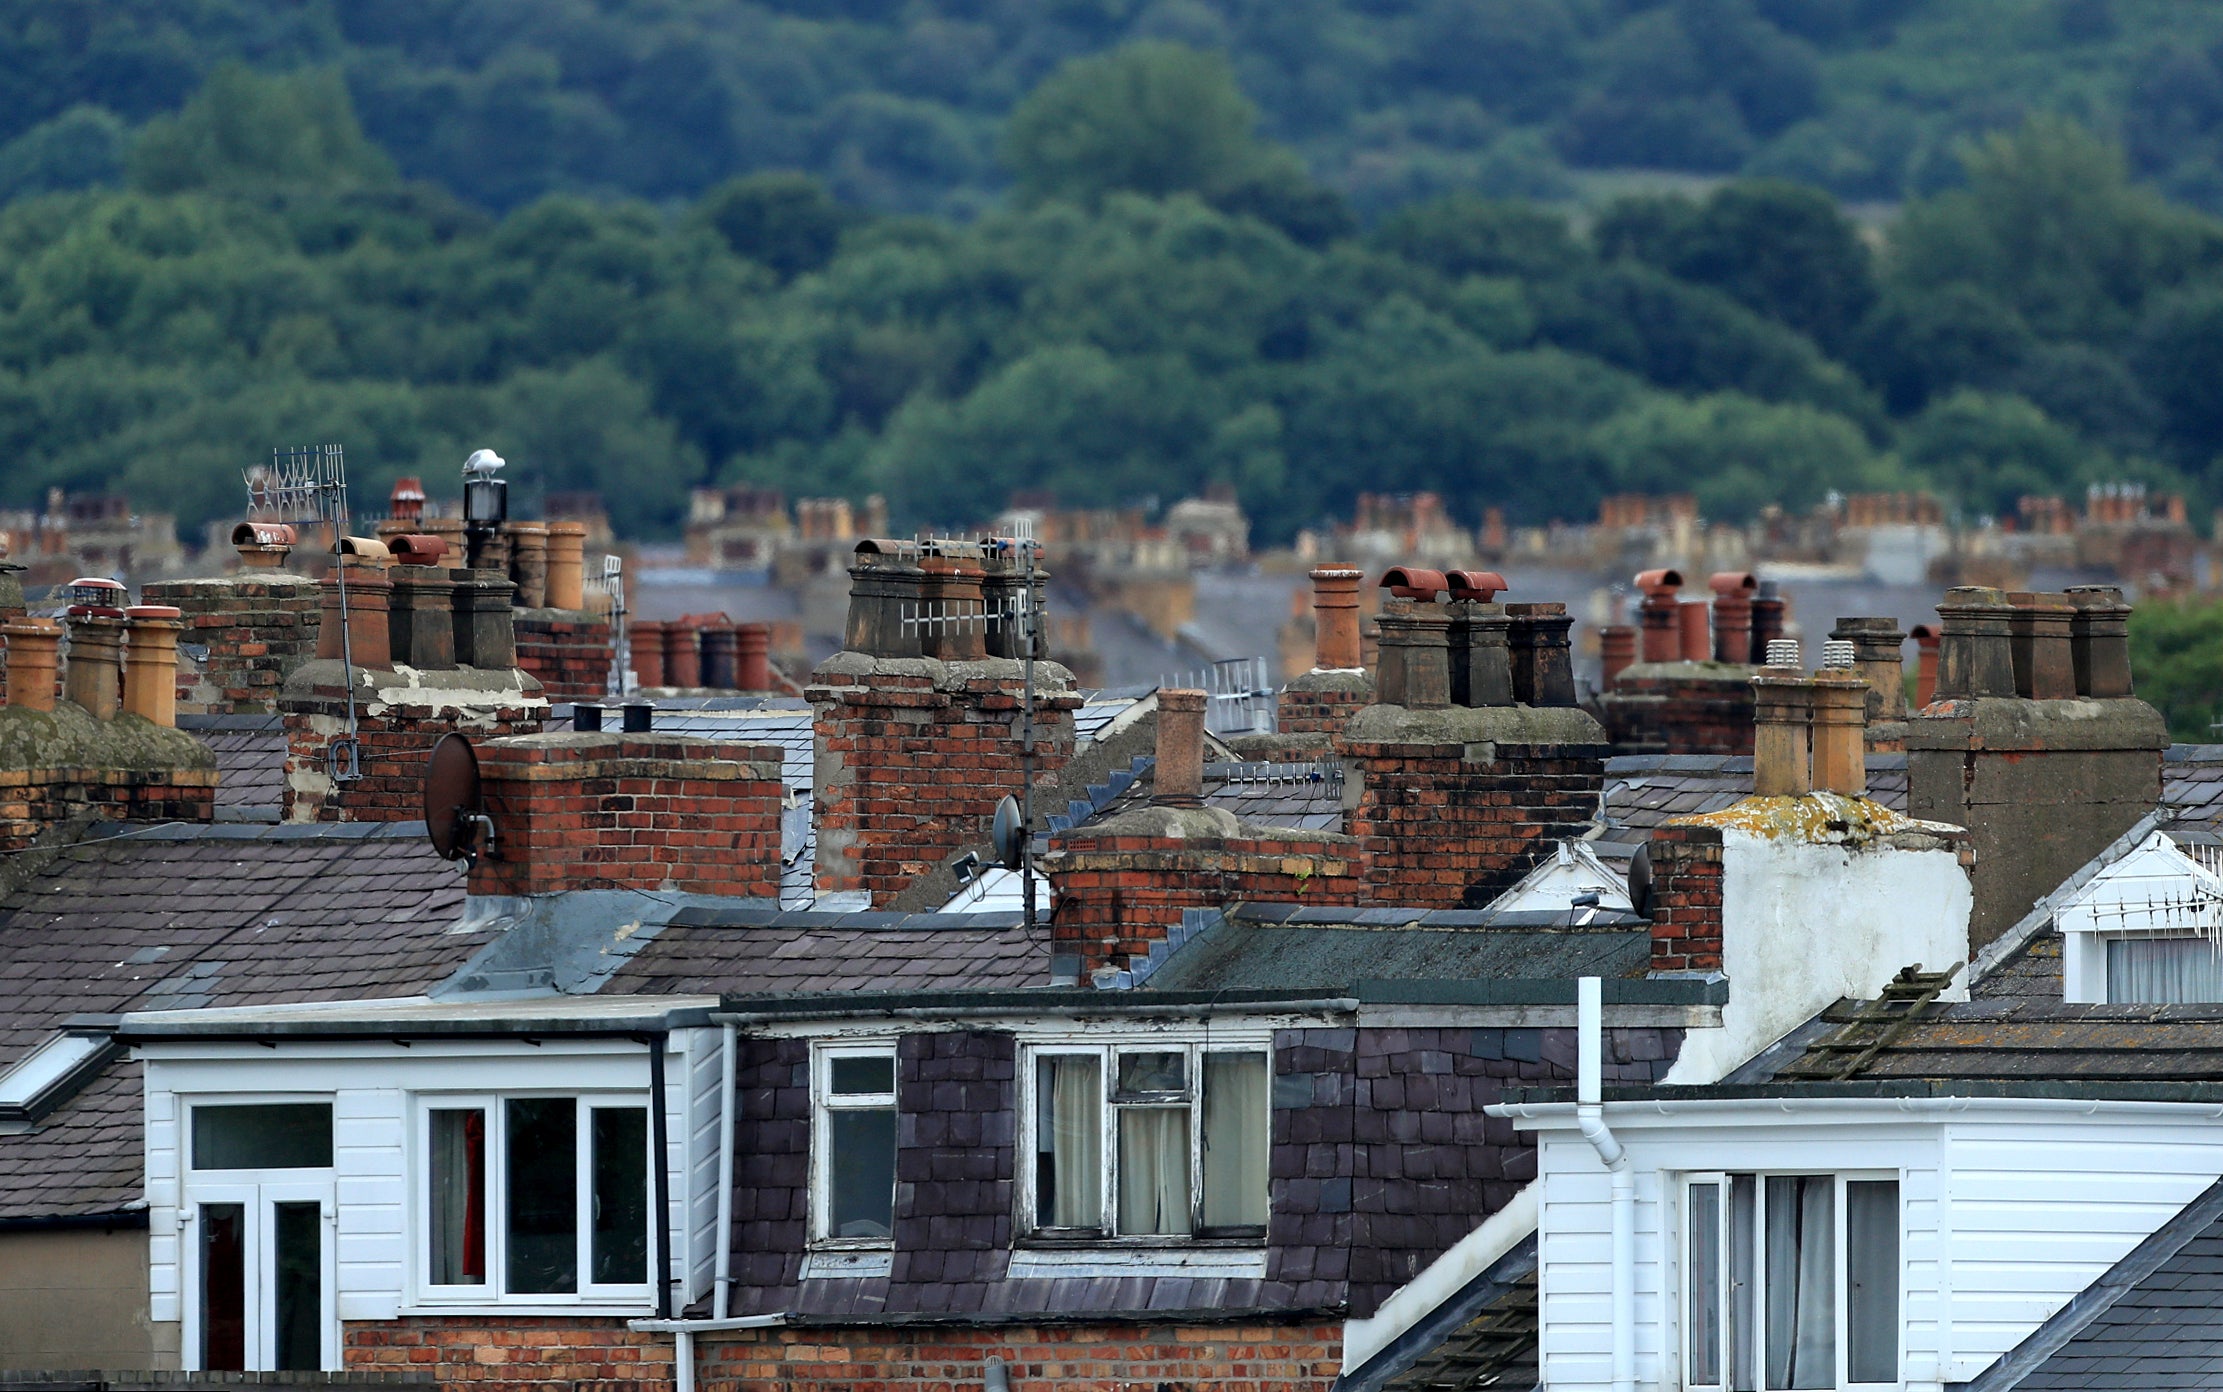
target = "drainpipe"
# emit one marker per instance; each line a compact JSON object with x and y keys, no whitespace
{"x":660,"y":1142}
{"x":1590,"y":1120}
{"x":722,"y":1293}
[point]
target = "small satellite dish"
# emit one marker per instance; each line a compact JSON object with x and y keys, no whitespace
{"x":1640,"y":882}
{"x":1009,"y":834}
{"x":454,"y":822}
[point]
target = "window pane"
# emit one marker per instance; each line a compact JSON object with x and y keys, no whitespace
{"x":620,"y":1196}
{"x":1704,"y":1277}
{"x":863,"y":1075}
{"x":543,"y":1173}
{"x":1802,"y":1281}
{"x":1744,"y":1282}
{"x":265,"y":1136}
{"x":1872,"y":1279}
{"x":1153,"y":1170}
{"x":1068,"y":1142}
{"x":2163,"y":971}
{"x":1236,"y":1124}
{"x":1153,"y":1072}
{"x":300,"y":1294}
{"x":223,"y":1287}
{"x":459,"y":1197}
{"x":861,"y":1172}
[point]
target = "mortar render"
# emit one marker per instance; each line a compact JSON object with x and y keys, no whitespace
{"x":1823,"y":896}
{"x":70,"y":737}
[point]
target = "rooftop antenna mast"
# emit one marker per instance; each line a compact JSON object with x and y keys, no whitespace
{"x":307,"y":484}
{"x":1029,"y":625}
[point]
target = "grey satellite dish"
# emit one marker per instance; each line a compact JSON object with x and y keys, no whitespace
{"x":1640,"y":882}
{"x":1009,"y":834}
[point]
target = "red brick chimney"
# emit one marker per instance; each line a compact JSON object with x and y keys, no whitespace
{"x":913,"y":752}
{"x":1318,"y":702}
{"x":1453,"y":804}
{"x":566,"y":647}
{"x":1124,"y":883}
{"x":653,"y":812}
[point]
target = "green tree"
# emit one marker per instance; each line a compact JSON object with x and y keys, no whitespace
{"x":1737,"y":454}
{"x":1988,"y":450}
{"x":1150,"y":118}
{"x":785,"y":221}
{"x":2176,"y":648}
{"x":245,"y":129}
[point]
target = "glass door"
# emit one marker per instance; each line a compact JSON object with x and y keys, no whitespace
{"x":261,"y":1265}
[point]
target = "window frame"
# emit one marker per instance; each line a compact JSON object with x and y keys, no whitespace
{"x":1106,"y":1050}
{"x":492,"y":1293}
{"x":824,"y":1101}
{"x":1682,"y":1304}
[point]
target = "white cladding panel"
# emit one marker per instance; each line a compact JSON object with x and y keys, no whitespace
{"x":704,"y":1071}
{"x":2005,"y":1215}
{"x":372,"y":1087}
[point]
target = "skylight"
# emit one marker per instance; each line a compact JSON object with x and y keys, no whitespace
{"x":47,"y":1068}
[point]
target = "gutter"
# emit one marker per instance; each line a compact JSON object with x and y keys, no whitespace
{"x":121,"y":1219}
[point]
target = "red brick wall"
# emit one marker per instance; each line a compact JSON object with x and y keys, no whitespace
{"x":644,"y":811}
{"x":909,"y":772}
{"x":33,"y":799}
{"x":1686,"y":898}
{"x":1052,"y":1358}
{"x":1678,"y":715}
{"x":544,"y":1353}
{"x":1317,"y":712}
{"x":496,"y":1353}
{"x":395,"y":740}
{"x":568,"y":652}
{"x":1443,"y":831}
{"x":1117,"y":895}
{"x":256,"y":630}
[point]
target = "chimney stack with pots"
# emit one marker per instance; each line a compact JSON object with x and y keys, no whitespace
{"x":1320,"y":701}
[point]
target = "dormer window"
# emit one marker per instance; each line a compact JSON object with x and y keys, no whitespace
{"x":2147,"y":929}
{"x":1156,"y":1140}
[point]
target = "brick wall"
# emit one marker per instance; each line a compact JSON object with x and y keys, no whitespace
{"x":32,"y":800}
{"x":1117,"y":895}
{"x":1655,"y":709}
{"x":643,"y":811}
{"x":545,"y":1353}
{"x":1250,"y":1356}
{"x":396,"y":727}
{"x":568,"y":653}
{"x":912,"y":757}
{"x":255,"y":629}
{"x":1686,"y":898}
{"x":1452,"y":826}
{"x":1321,"y":703}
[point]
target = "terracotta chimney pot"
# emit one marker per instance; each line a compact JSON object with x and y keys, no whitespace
{"x":94,"y":676}
{"x":1335,"y":618}
{"x":567,"y":562}
{"x":150,"y":687}
{"x":34,"y":654}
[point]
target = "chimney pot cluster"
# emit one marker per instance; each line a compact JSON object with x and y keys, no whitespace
{"x":1809,"y":731}
{"x":2037,"y":646}
{"x":956,"y":601}
{"x":1468,"y":651}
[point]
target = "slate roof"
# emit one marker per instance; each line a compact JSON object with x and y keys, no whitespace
{"x":2153,"y":1322}
{"x":1305,"y":796}
{"x":179,"y":916}
{"x":250,"y":760}
{"x":742,"y":951}
{"x":1294,"y":947}
{"x":1487,"y":1336}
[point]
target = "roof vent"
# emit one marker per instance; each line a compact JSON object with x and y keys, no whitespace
{"x":1783,"y":652}
{"x":1836,"y":652}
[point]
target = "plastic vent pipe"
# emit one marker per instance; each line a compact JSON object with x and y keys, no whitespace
{"x":1590,"y":1120}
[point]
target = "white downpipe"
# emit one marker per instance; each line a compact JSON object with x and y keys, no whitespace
{"x":683,"y":1360}
{"x":1590,"y":1120}
{"x":722,"y":1291}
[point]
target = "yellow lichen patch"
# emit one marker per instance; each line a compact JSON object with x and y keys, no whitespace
{"x":1816,"y":817}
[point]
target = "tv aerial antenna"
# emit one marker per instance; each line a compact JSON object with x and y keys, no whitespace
{"x":307,"y":485}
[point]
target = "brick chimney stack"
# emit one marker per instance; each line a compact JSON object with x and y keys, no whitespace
{"x":2043,"y":782}
{"x":1318,"y":702}
{"x":1453,"y":803}
{"x":1878,"y":655}
{"x":566,"y":647}
{"x":914,"y":752}
{"x":654,"y":812}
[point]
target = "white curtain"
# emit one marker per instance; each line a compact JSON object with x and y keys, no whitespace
{"x":1704,"y":1284}
{"x":1236,"y":1127}
{"x":1801,"y":1281}
{"x":1154,"y":1170}
{"x":1069,"y":1137}
{"x":2163,"y":971}
{"x":1872,"y":1279}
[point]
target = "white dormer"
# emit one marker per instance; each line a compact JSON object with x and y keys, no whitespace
{"x":2146,"y":929}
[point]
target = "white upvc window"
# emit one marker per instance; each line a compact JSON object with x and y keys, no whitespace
{"x":1790,"y":1281}
{"x":534,"y":1199}
{"x":257,"y":1220}
{"x":853,"y":1144}
{"x":1152,"y":1139}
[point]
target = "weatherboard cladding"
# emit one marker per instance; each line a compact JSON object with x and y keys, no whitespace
{"x":1381,"y":1159}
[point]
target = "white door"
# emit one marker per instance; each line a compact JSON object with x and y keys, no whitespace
{"x":259,"y":1275}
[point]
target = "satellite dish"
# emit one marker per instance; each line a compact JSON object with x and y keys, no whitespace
{"x":1640,"y":882}
{"x":1009,"y":834}
{"x":453,"y":820}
